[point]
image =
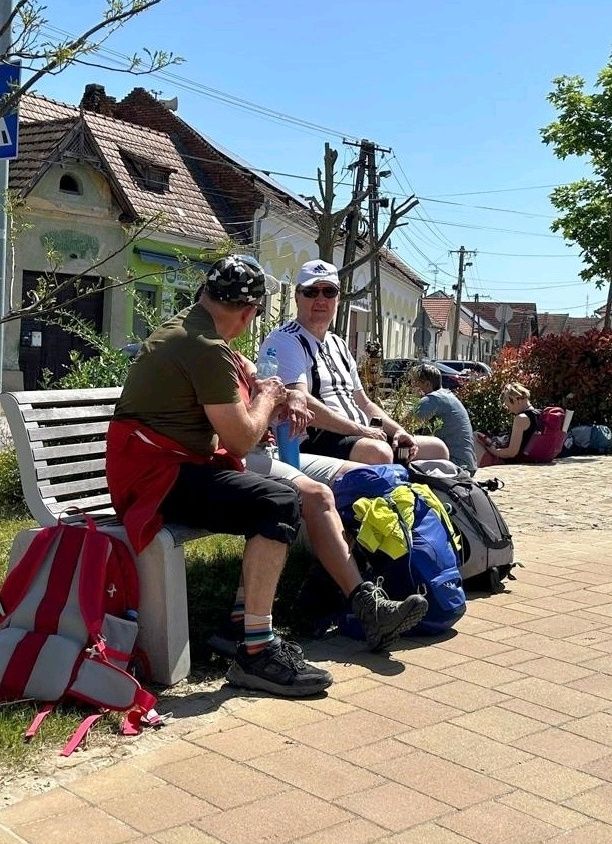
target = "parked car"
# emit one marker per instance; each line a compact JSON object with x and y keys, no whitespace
{"x":462,"y":365}
{"x":396,"y":369}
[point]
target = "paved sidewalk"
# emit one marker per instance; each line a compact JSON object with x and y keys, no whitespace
{"x":500,"y":734}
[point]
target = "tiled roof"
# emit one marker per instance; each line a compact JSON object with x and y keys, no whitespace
{"x":185,"y":208}
{"x":560,"y":323}
{"x":439,"y":309}
{"x":37,"y":143}
{"x":519,"y":327}
{"x":552,"y":323}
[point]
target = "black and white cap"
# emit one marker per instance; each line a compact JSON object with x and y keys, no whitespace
{"x":240,"y":279}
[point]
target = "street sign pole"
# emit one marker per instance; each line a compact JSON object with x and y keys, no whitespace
{"x":5,"y":44}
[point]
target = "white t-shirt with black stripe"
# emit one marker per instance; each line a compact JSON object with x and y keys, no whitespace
{"x":326,"y":367}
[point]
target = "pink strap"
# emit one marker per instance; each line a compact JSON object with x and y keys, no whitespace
{"x":35,"y":725}
{"x":80,"y":733}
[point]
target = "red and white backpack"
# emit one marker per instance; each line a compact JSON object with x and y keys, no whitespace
{"x":68,"y":626}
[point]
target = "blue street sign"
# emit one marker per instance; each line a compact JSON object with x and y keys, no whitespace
{"x":10,"y":76}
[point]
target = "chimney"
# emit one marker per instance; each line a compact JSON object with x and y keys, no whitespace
{"x":95,"y":99}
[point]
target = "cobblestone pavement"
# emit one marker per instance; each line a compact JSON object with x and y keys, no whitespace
{"x":498,"y":734}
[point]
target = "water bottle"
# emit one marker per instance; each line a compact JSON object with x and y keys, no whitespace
{"x":288,"y":447}
{"x":131,"y":615}
{"x":267,"y":366}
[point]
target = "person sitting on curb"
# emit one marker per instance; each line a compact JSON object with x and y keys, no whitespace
{"x":456,"y":431}
{"x":318,"y":363}
{"x":516,"y":399}
{"x":186,"y":395}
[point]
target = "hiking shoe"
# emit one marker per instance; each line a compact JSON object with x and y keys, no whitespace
{"x":382,"y":619}
{"x":278,"y":669}
{"x":230,"y":634}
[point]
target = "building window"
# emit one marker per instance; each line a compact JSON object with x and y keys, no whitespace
{"x":145,"y":309}
{"x":147,"y":174}
{"x":68,"y":184}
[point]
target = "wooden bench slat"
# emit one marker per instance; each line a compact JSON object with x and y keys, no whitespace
{"x":50,"y":414}
{"x":73,"y":487}
{"x":60,"y":432}
{"x":55,"y":452}
{"x":96,"y":502}
{"x":61,"y":470}
{"x":66,"y":397}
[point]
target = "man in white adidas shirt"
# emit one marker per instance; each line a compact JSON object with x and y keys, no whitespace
{"x":317,"y":362}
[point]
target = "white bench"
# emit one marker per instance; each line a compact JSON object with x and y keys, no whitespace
{"x":60,"y":440}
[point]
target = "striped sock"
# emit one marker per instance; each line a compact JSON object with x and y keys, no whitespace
{"x":257,"y":632}
{"x":238,"y":610}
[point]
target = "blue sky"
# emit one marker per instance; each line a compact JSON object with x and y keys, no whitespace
{"x":456,"y":89}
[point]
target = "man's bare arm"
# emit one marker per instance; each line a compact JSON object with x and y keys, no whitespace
{"x":329,"y":420}
{"x":241,"y":428}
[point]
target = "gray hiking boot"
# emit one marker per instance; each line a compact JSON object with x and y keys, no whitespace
{"x":382,"y":619}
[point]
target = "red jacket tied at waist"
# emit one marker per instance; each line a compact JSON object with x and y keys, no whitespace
{"x":141,"y":468}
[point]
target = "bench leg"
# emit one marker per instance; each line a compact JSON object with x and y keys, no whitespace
{"x":162,"y":620}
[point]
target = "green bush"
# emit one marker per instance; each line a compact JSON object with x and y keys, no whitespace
{"x":11,"y":494}
{"x":108,"y":369}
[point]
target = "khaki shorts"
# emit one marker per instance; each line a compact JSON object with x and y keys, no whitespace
{"x":314,"y":466}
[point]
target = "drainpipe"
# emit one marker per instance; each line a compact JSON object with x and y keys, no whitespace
{"x":258,"y":218}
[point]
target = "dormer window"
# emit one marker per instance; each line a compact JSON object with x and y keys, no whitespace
{"x":69,"y":184}
{"x":149,"y":175}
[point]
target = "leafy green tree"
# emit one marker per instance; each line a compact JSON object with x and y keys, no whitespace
{"x":583,"y":128}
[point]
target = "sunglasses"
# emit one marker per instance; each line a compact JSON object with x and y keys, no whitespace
{"x":313,"y":292}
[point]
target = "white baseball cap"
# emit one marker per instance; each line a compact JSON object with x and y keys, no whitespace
{"x":313,"y":272}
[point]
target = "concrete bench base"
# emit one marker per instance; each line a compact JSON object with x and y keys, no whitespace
{"x":162,"y":621}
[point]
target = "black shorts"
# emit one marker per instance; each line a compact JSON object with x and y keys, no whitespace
{"x":328,"y":444}
{"x":240,"y":503}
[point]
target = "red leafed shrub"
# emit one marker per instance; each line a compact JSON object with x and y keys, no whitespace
{"x":559,"y":369}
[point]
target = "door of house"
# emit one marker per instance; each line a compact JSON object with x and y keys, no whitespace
{"x":44,"y":346}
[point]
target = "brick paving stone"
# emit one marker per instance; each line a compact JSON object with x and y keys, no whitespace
{"x":411,"y":709}
{"x":544,"y":810}
{"x":441,"y":779}
{"x":554,"y":670}
{"x":484,"y":673}
{"x":472,"y":646}
{"x":280,"y":715}
{"x":510,"y":657}
{"x":498,"y":723}
{"x":465,"y":747}
{"x":347,"y":731}
{"x":560,"y":698}
{"x":562,"y":747}
{"x":597,"y":727}
{"x":561,"y":626}
{"x":597,"y":684}
{"x":596,"y":803}
{"x":502,"y":824}
{"x":280,"y":818}
{"x":184,"y":835}
{"x":344,"y":691}
{"x":357,"y":831}
{"x":58,"y":801}
{"x":220,"y":781}
{"x":427,"y":833}
{"x":394,"y":806}
{"x":547,"y":779}
{"x":601,"y":768}
{"x":590,"y":833}
{"x":243,"y":742}
{"x":414,"y":679}
{"x":466,"y":696}
{"x":316,"y":772}
{"x":434,"y":659}
{"x":85,"y":824}
{"x":110,"y":782}
{"x":163,"y":808}
{"x":329,"y":706}
{"x":535,"y":711}
{"x":370,"y":755}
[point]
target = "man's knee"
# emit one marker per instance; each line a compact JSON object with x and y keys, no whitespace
{"x":371,"y":451}
{"x":431,"y":448}
{"x":316,"y":497}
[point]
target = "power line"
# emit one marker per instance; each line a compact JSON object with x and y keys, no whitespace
{"x":499,"y":190}
{"x":488,"y":208}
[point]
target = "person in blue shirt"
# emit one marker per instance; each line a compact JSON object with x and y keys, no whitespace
{"x":456,"y":431}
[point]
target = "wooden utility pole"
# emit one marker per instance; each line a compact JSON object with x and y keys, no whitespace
{"x":608,"y":315}
{"x":366,"y":167}
{"x":350,"y":246}
{"x":462,"y":252}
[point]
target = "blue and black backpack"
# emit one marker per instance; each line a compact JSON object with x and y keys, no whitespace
{"x":430,"y":566}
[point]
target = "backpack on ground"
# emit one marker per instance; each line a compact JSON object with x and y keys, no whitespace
{"x":547,"y":442}
{"x":581,"y":438}
{"x":601,"y":439}
{"x":486,"y":542}
{"x":68,"y":628}
{"x":406,"y":538}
